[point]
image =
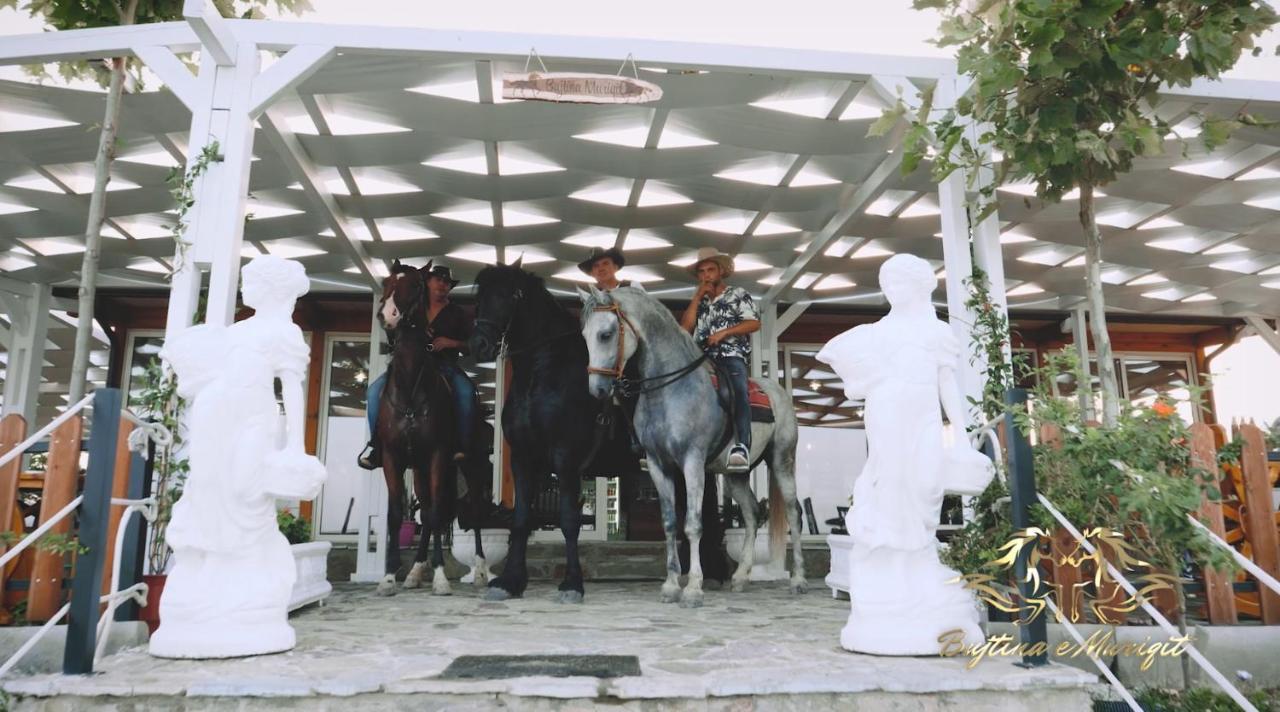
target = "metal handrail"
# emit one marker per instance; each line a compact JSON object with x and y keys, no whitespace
{"x":1262,"y":576}
{"x":146,"y":507}
{"x":1097,"y":662}
{"x":41,"y":433}
{"x":1160,"y":620}
{"x":29,"y":539}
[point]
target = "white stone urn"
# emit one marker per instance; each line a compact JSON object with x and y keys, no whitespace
{"x":464,"y":550}
{"x":764,"y":567}
{"x":312,"y":585}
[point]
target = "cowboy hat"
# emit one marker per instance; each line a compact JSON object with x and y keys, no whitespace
{"x":598,"y":253}
{"x":711,"y":254}
{"x":441,"y":272}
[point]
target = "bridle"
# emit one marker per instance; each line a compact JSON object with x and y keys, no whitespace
{"x":620,"y":363}
{"x":624,"y":386}
{"x":504,"y":348}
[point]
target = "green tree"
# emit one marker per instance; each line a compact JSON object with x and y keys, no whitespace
{"x":112,"y":73}
{"x":1066,"y":91}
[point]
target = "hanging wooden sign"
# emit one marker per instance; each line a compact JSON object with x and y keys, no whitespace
{"x":578,"y":88}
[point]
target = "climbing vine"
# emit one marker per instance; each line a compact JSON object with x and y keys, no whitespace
{"x":182,"y":188}
{"x":990,"y":338}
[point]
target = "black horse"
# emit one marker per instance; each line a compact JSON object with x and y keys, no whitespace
{"x":417,"y":429}
{"x":549,"y":418}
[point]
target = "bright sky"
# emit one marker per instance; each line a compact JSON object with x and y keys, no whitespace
{"x":1247,"y":377}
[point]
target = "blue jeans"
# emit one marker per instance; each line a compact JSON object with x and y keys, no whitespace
{"x":736,"y":370}
{"x":464,"y":399}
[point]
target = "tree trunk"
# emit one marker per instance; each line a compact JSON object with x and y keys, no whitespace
{"x":1098,"y":311}
{"x":93,"y":231}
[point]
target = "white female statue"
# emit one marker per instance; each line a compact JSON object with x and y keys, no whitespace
{"x":228,"y":592}
{"x":902,"y":597}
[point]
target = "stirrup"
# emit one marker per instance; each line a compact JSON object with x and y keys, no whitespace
{"x":738,"y":461}
{"x":366,"y":458}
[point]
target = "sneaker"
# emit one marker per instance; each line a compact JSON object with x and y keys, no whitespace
{"x":644,"y":464}
{"x":738,"y":461}
{"x":370,"y":458}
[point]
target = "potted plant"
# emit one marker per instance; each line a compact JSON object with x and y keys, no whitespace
{"x":310,"y":558}
{"x":765,"y":565}
{"x":159,"y":402}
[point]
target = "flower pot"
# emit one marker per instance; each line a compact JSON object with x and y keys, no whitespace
{"x":406,"y":534}
{"x":841,"y":546}
{"x":150,"y":613}
{"x":311,"y":562}
{"x":763,"y":568}
{"x":464,"y":550}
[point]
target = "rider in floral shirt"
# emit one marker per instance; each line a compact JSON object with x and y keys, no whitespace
{"x":721,"y":318}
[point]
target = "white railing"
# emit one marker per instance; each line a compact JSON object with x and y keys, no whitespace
{"x":146,"y":507}
{"x":1244,"y":561}
{"x":1159,"y":618}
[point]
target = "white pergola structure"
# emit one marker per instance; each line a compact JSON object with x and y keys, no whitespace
{"x":347,"y":146}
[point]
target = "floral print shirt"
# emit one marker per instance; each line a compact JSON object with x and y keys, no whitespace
{"x":731,"y":308}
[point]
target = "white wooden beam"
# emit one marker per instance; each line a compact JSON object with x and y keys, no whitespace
{"x":291,"y":70}
{"x":303,"y":169}
{"x":1264,"y":330}
{"x":866,"y":193}
{"x":24,"y":289}
{"x":215,"y":34}
{"x":96,"y":43}
{"x":26,"y":349}
{"x":793,"y":312}
{"x":513,"y":45}
{"x":172,"y":72}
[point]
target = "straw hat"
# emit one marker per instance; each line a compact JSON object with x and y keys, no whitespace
{"x":711,"y":254}
{"x":598,"y":253}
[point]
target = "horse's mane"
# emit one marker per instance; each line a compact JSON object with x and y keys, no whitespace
{"x":528,"y":282}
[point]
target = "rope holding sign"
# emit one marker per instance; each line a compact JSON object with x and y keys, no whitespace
{"x":533,"y":54}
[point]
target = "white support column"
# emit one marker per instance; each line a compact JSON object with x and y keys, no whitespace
{"x":29,"y":321}
{"x":499,"y":444}
{"x":220,"y":232}
{"x":371,"y":547}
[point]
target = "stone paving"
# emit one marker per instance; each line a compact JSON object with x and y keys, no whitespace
{"x":738,"y":646}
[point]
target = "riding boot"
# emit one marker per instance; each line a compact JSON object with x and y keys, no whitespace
{"x":371,"y":457}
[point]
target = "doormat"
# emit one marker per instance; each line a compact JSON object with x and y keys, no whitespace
{"x":502,"y":667}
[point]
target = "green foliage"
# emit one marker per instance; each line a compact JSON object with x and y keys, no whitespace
{"x":1064,"y":89}
{"x":161,"y":403}
{"x":51,"y":542}
{"x":182,"y":186}
{"x":1136,"y":477}
{"x":990,"y":339}
{"x":296,"y":529}
{"x":1203,"y":699}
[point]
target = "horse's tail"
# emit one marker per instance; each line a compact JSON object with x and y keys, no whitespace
{"x":779,"y":530}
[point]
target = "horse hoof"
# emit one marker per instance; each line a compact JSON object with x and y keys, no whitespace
{"x":799,"y":586}
{"x":691,"y":600}
{"x":387,"y":586}
{"x":496,"y":593}
{"x":569,"y":597}
{"x":441,"y":591}
{"x":669,"y":595}
{"x":738,"y":585}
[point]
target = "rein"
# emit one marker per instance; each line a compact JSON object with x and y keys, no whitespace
{"x":504,"y":347}
{"x":625,"y":386}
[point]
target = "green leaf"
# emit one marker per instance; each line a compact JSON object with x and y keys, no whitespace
{"x":888,"y":119}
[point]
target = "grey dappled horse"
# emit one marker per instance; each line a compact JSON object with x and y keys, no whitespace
{"x":681,"y":424}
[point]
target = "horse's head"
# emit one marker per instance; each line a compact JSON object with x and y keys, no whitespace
{"x":404,"y":296}
{"x":611,"y":340}
{"x":499,"y":290}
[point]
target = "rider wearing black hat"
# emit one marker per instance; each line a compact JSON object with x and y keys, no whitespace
{"x":450,"y":328}
{"x":603,"y":265}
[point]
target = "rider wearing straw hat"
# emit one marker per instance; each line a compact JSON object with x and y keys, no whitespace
{"x":721,"y":318}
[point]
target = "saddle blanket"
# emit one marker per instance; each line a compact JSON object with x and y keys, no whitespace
{"x":761,"y":407}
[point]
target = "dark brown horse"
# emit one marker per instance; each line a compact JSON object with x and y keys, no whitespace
{"x":417,"y":430}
